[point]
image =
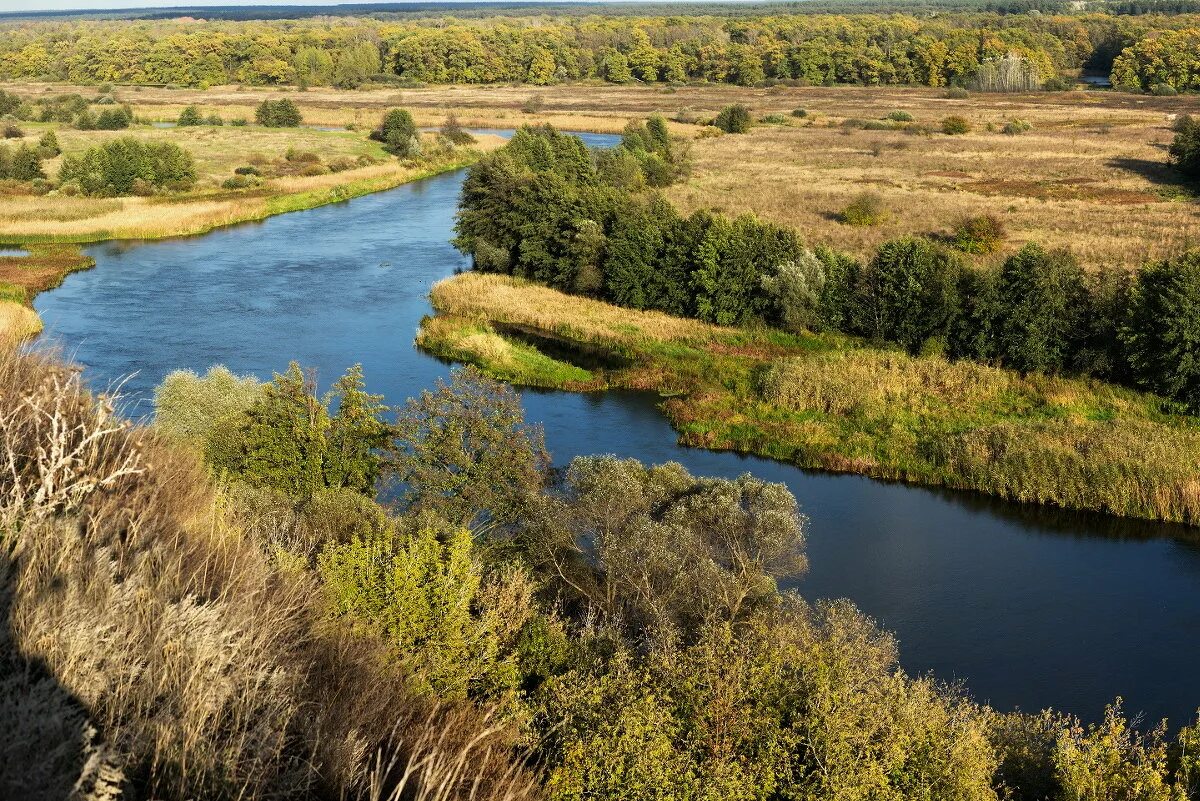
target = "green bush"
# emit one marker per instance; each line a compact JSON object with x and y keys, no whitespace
{"x":398,"y":133}
{"x":120,"y":166}
{"x":277,"y":114}
{"x":189,"y":117}
{"x":1058,"y":83}
{"x":774,"y":119}
{"x":957,"y":93}
{"x":800,"y":112}
{"x":955,"y":125}
{"x":982,"y":234}
{"x":734,"y":119}
{"x":48,"y":145}
{"x":1015,"y":127}
{"x":899,"y":116}
{"x":1163,"y":90}
{"x":866,"y":209}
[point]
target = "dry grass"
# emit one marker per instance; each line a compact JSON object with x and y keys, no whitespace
{"x":17,"y":323}
{"x":1091,"y":174}
{"x":208,"y":670}
{"x":500,"y":298}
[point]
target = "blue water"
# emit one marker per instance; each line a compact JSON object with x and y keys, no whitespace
{"x":1029,"y":607}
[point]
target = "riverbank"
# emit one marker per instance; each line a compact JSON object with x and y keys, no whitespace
{"x":829,"y":402}
{"x":52,"y":242}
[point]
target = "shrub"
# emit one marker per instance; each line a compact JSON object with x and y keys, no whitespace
{"x":899,"y":116}
{"x":247,"y":170}
{"x":955,"y":125}
{"x":277,"y":114}
{"x":865,"y":209}
{"x":1014,"y":127}
{"x":957,"y":93}
{"x":238,"y":122}
{"x":982,"y":234}
{"x":189,"y":117}
{"x":213,"y":119}
{"x":241,"y":182}
{"x":1163,"y":90}
{"x":24,"y":164}
{"x":800,"y":112}
{"x":734,"y":119}
{"x":1058,"y":83}
{"x":533,"y":104}
{"x":13,"y":132}
{"x":1163,"y":327}
{"x":453,"y":133}
{"x":1042,"y":298}
{"x":774,"y":119}
{"x":48,"y":145}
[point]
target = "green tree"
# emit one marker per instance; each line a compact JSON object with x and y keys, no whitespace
{"x":1042,"y":299}
{"x":48,"y":145}
{"x":1161,"y":334}
{"x":26,"y":164}
{"x":356,"y":436}
{"x":398,"y":133}
{"x":188,"y":407}
{"x":908,"y":293}
{"x":277,"y":114}
{"x":1185,"y":149}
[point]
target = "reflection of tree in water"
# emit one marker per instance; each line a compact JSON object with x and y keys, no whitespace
{"x":49,"y":750}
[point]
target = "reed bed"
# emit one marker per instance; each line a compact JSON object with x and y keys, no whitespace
{"x":832,"y":403}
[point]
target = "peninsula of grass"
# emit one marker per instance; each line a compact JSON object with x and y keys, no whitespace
{"x":835,"y":403}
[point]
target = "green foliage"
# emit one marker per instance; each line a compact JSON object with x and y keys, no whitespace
{"x":734,"y":119}
{"x":899,"y":116}
{"x":48,"y":145}
{"x":982,"y":234}
{"x":189,"y":407}
{"x":1042,"y":300}
{"x":357,"y":435}
{"x":398,"y":133}
{"x":281,"y":113}
{"x":190,"y":116}
{"x":1185,"y":148}
{"x":866,"y":209}
{"x":22,"y":164}
{"x":127,"y":165}
{"x":465,"y":453}
{"x":909,"y":293}
{"x":1161,"y":335}
{"x":1015,"y":127}
{"x":955,"y":125}
{"x":453,"y":132}
{"x":1112,"y":761}
{"x":1163,"y":90}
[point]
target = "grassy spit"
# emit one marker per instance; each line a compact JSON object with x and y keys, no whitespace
{"x":830,"y":402}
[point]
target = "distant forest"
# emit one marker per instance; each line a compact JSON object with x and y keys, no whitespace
{"x":922,"y":47}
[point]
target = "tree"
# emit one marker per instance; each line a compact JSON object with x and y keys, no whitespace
{"x":398,"y":133}
{"x":908,"y":293}
{"x":277,"y":114}
{"x":26,"y":165}
{"x":463,"y":451}
{"x":48,"y":145}
{"x":189,"y":407}
{"x":796,"y":289}
{"x":1185,"y":149}
{"x":734,"y":119}
{"x":357,"y":435}
{"x":1041,"y":302}
{"x":355,"y":64}
{"x":190,"y":116}
{"x":1161,"y":334}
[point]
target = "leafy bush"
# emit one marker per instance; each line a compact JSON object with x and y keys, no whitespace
{"x":190,"y":116}
{"x":13,"y":132}
{"x":238,"y":122}
{"x":1015,"y":127}
{"x":247,"y":170}
{"x":982,"y":234}
{"x":48,"y":145}
{"x":533,"y":104}
{"x":866,"y":209}
{"x":957,"y":93}
{"x":899,"y":116}
{"x":114,"y":119}
{"x":119,"y":166}
{"x":214,"y":119}
{"x":800,"y":112}
{"x":1058,"y":83}
{"x":734,"y":119}
{"x":774,"y":119}
{"x":1163,"y":327}
{"x":398,"y":133}
{"x":1163,"y":90}
{"x":23,"y":164}
{"x":277,"y":114}
{"x":453,"y":132}
{"x":955,"y":125}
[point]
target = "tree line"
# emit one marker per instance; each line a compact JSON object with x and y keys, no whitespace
{"x":545,"y":208}
{"x":933,"y":50}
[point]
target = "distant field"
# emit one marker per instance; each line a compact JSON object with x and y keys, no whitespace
{"x":1091,"y":172}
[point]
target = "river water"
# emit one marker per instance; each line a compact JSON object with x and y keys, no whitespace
{"x":1029,"y":607}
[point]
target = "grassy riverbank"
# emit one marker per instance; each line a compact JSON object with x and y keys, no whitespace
{"x":829,"y":402}
{"x":51,"y":227}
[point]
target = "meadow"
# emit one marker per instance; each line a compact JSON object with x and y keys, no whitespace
{"x":830,"y":402}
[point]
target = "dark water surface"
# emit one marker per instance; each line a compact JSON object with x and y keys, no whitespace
{"x":1031,"y":608}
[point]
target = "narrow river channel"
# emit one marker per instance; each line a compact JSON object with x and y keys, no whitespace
{"x":1030,"y":608}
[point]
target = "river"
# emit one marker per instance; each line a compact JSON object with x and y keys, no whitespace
{"x":1029,"y":607}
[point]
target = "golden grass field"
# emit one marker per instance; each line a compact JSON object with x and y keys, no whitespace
{"x":1091,"y":173}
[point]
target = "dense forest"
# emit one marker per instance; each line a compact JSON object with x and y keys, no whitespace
{"x":858,"y":48}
